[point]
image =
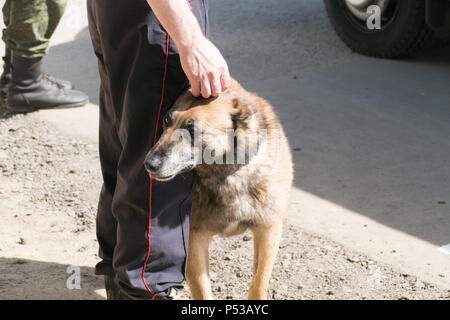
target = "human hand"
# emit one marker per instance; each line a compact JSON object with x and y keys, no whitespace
{"x":205,"y":68}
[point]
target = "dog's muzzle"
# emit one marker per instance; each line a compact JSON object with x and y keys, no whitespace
{"x":153,"y":163}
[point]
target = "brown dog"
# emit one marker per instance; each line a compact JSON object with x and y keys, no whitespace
{"x":243,"y":162}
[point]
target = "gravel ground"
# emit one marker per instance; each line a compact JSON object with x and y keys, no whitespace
{"x":49,"y":184}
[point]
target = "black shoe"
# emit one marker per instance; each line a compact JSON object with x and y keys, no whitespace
{"x":30,"y":89}
{"x":65,"y":84}
{"x":114,"y":293}
{"x":171,"y":295}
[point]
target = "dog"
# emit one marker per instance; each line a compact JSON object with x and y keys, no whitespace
{"x":238,"y":188}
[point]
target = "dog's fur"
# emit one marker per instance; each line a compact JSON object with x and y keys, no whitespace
{"x":229,"y":198}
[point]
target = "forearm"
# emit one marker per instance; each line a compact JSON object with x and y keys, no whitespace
{"x":177,"y":18}
{"x":201,"y":61}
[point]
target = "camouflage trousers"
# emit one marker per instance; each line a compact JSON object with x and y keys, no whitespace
{"x":30,"y":25}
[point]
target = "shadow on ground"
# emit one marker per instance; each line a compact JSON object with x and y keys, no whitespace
{"x":75,"y":61}
{"x":372,"y":136}
{"x":29,"y":279}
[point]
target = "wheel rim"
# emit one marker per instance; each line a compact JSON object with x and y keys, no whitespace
{"x":357,"y":10}
{"x":359,"y":7}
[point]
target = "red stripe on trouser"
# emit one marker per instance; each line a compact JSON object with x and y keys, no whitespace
{"x":151,"y":180}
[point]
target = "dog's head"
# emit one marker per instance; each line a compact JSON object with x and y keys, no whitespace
{"x":202,"y":131}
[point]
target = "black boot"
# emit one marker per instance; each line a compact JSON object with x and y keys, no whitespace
{"x":5,"y":78}
{"x":30,"y":89}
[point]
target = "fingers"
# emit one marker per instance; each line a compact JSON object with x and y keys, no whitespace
{"x":208,"y":76}
{"x":225,"y":79}
{"x":206,"y":88}
{"x":209,"y":86}
{"x":196,"y":88}
{"x":216,"y":85}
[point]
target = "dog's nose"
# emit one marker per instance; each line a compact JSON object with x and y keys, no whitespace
{"x":153,"y":164}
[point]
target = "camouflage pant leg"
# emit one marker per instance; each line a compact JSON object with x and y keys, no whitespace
{"x":5,"y":10}
{"x":30,"y":25}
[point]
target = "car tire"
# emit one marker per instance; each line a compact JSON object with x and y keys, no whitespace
{"x":403,"y":31}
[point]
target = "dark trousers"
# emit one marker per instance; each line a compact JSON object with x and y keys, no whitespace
{"x":142,"y":225}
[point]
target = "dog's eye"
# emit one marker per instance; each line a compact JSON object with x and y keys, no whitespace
{"x":167,"y":120}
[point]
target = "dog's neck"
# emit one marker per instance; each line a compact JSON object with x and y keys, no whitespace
{"x":217,"y":172}
{"x":234,"y":176}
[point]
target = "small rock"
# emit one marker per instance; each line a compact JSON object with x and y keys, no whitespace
{"x":247,"y":238}
{"x":420,"y":285}
{"x":21,"y":241}
{"x":82,"y":249}
{"x":274,"y":295}
{"x":287,"y":256}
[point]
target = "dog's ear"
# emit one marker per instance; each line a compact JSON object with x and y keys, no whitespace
{"x":240,"y":114}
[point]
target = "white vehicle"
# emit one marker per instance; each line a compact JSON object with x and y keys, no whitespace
{"x":405,"y":25}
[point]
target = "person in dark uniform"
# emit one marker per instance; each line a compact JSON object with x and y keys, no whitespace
{"x":149,"y":52}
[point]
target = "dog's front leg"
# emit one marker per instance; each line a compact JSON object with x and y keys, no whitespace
{"x":266,"y":242}
{"x":197,"y":272}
